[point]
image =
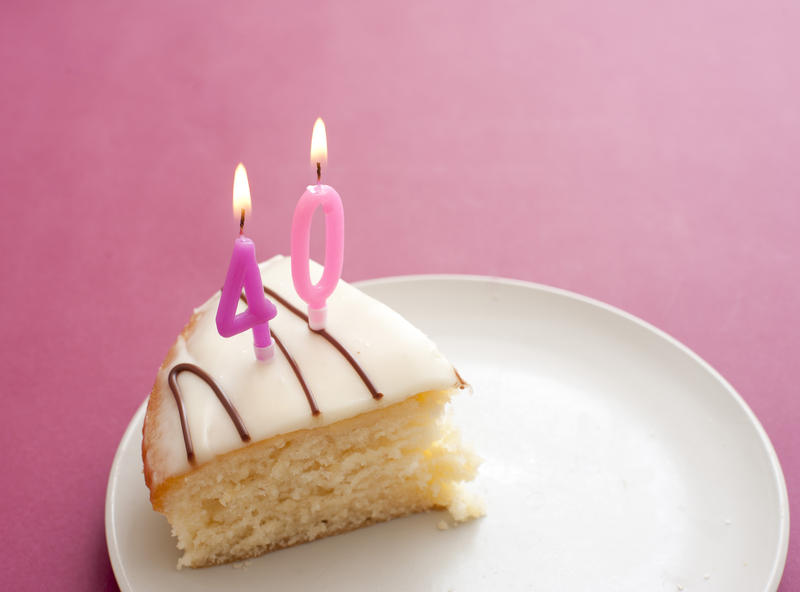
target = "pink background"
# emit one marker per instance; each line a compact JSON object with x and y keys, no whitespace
{"x":644,"y":154}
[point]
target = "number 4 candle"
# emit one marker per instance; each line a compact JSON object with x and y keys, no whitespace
{"x":243,"y":272}
{"x":316,"y":295}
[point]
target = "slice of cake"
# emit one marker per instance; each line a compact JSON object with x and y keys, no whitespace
{"x":341,"y":429}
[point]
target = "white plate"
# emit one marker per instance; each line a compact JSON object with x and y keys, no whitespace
{"x":615,"y":459}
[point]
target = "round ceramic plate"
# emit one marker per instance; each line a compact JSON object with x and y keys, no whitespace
{"x":615,"y":459}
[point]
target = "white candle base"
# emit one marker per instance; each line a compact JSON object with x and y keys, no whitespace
{"x":265,"y":354}
{"x":317,"y":318}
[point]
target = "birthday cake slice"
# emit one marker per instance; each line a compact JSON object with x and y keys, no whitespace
{"x":342,"y":428}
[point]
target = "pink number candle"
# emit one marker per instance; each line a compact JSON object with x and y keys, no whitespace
{"x":243,"y":272}
{"x":316,"y":295}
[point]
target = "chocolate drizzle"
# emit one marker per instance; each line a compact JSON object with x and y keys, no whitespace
{"x":226,"y":403}
{"x":330,"y":339}
{"x":298,"y":374}
{"x":222,"y":397}
{"x":461,"y":383}
{"x":295,"y":368}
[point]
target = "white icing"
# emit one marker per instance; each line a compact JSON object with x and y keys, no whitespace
{"x":398,"y":358}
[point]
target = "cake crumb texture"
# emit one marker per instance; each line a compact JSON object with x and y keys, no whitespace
{"x":304,"y":485}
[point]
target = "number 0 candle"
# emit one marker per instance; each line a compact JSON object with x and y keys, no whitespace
{"x":243,"y":272}
{"x":319,"y":195}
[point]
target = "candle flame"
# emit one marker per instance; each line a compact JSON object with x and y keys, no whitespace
{"x":241,"y":192}
{"x":319,"y":143}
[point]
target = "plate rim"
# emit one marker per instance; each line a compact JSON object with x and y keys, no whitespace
{"x":779,"y":562}
{"x":780,"y":480}
{"x":113,"y":476}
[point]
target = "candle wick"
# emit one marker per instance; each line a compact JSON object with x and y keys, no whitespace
{"x":241,"y":223}
{"x":319,"y":172}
